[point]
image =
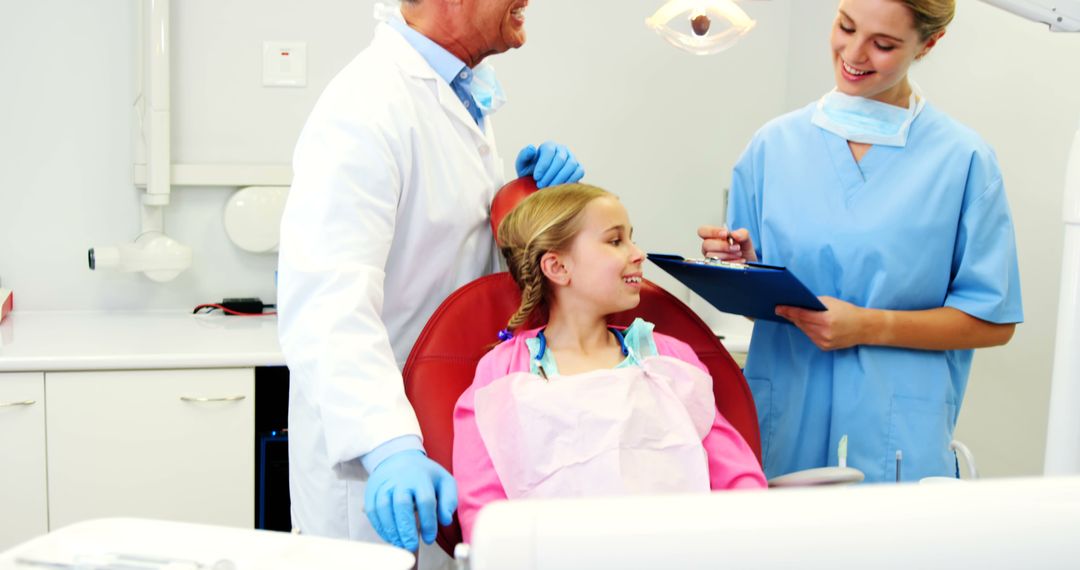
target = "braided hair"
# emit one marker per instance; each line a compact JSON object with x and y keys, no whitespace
{"x":546,"y":221}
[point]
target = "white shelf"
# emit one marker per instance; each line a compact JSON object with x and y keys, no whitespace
{"x":223,"y":175}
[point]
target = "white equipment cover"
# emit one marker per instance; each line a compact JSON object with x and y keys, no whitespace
{"x":146,"y":544}
{"x":1019,"y":523}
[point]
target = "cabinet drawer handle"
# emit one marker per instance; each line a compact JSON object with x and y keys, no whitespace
{"x":203,"y":399}
{"x":13,"y":404}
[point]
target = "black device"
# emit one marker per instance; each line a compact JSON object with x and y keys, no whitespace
{"x":272,"y":505}
{"x":246,"y":305}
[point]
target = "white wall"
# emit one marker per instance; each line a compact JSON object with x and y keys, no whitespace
{"x":65,"y":148}
{"x":65,"y":185}
{"x":1017,"y":85}
{"x":222,"y":111}
{"x":657,"y":126}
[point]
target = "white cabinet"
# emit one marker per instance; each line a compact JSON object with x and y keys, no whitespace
{"x":23,"y":500}
{"x":164,"y":444}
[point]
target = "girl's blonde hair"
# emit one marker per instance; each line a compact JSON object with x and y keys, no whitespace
{"x":548,"y":220}
{"x":931,"y":16}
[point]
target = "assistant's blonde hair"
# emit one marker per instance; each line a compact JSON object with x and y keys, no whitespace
{"x":931,"y":16}
{"x":548,"y":220}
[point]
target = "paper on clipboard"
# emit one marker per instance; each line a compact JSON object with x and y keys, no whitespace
{"x":752,"y":289}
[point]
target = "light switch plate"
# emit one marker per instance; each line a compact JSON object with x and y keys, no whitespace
{"x":284,"y":64}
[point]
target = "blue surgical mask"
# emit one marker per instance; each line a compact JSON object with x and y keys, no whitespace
{"x":485,"y":89}
{"x":481,"y":84}
{"x":867,"y":121}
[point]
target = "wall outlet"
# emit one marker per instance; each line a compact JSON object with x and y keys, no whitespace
{"x":284,"y":64}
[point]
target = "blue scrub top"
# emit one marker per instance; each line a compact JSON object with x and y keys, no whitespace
{"x":911,"y":228}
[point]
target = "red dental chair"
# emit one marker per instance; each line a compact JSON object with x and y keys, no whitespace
{"x":443,"y":360}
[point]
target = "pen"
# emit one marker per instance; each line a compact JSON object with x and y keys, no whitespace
{"x":899,"y":457}
{"x":841,"y":452}
{"x":730,"y":240}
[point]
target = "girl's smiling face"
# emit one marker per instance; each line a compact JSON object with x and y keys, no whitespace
{"x":603,"y":266}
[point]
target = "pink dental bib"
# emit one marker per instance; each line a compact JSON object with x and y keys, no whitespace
{"x":608,"y":432}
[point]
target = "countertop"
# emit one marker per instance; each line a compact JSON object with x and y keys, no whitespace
{"x":35,"y":341}
{"x":148,"y":543}
{"x":734,"y":342}
{"x":93,"y":340}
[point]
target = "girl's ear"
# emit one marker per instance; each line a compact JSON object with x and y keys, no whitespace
{"x":553,"y":268}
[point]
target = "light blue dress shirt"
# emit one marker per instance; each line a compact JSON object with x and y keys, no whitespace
{"x":446,"y":65}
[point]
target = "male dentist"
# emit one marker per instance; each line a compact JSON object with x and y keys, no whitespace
{"x":394,"y":173}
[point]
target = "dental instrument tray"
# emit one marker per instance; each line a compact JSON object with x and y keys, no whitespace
{"x":751,"y":289}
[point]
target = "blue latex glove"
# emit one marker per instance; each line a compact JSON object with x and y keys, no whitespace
{"x":406,"y":486}
{"x":549,"y":165}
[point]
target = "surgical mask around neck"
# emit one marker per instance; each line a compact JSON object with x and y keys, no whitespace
{"x":485,"y":89}
{"x":867,"y":121}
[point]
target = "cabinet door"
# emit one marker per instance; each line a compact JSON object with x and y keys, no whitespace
{"x":166,"y":444}
{"x":22,"y":458}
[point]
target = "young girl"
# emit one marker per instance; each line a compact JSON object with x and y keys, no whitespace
{"x":577,"y":408}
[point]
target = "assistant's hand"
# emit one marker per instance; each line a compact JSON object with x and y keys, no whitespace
{"x":549,"y":165}
{"x":406,"y":486}
{"x":843,"y":325}
{"x":720,"y":243}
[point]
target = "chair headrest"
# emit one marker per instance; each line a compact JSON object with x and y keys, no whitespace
{"x":507,"y":197}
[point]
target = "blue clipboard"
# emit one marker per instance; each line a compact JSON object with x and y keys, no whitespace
{"x":752,"y":289}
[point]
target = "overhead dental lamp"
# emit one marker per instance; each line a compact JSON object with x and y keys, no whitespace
{"x":1060,"y":15}
{"x":701,"y":27}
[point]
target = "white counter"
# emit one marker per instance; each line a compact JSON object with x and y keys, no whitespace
{"x":91,"y":340}
{"x":147,"y":543}
{"x":737,"y":345}
{"x":96,"y":340}
{"x":737,"y":342}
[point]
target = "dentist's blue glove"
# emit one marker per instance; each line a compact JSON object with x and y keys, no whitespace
{"x":406,"y":486}
{"x":549,"y":165}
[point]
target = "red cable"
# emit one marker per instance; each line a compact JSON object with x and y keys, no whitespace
{"x":232,"y":312}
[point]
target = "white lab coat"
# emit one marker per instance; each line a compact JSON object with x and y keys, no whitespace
{"x":388,"y":214}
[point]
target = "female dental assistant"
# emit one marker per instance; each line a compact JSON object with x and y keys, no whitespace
{"x":896,"y":215}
